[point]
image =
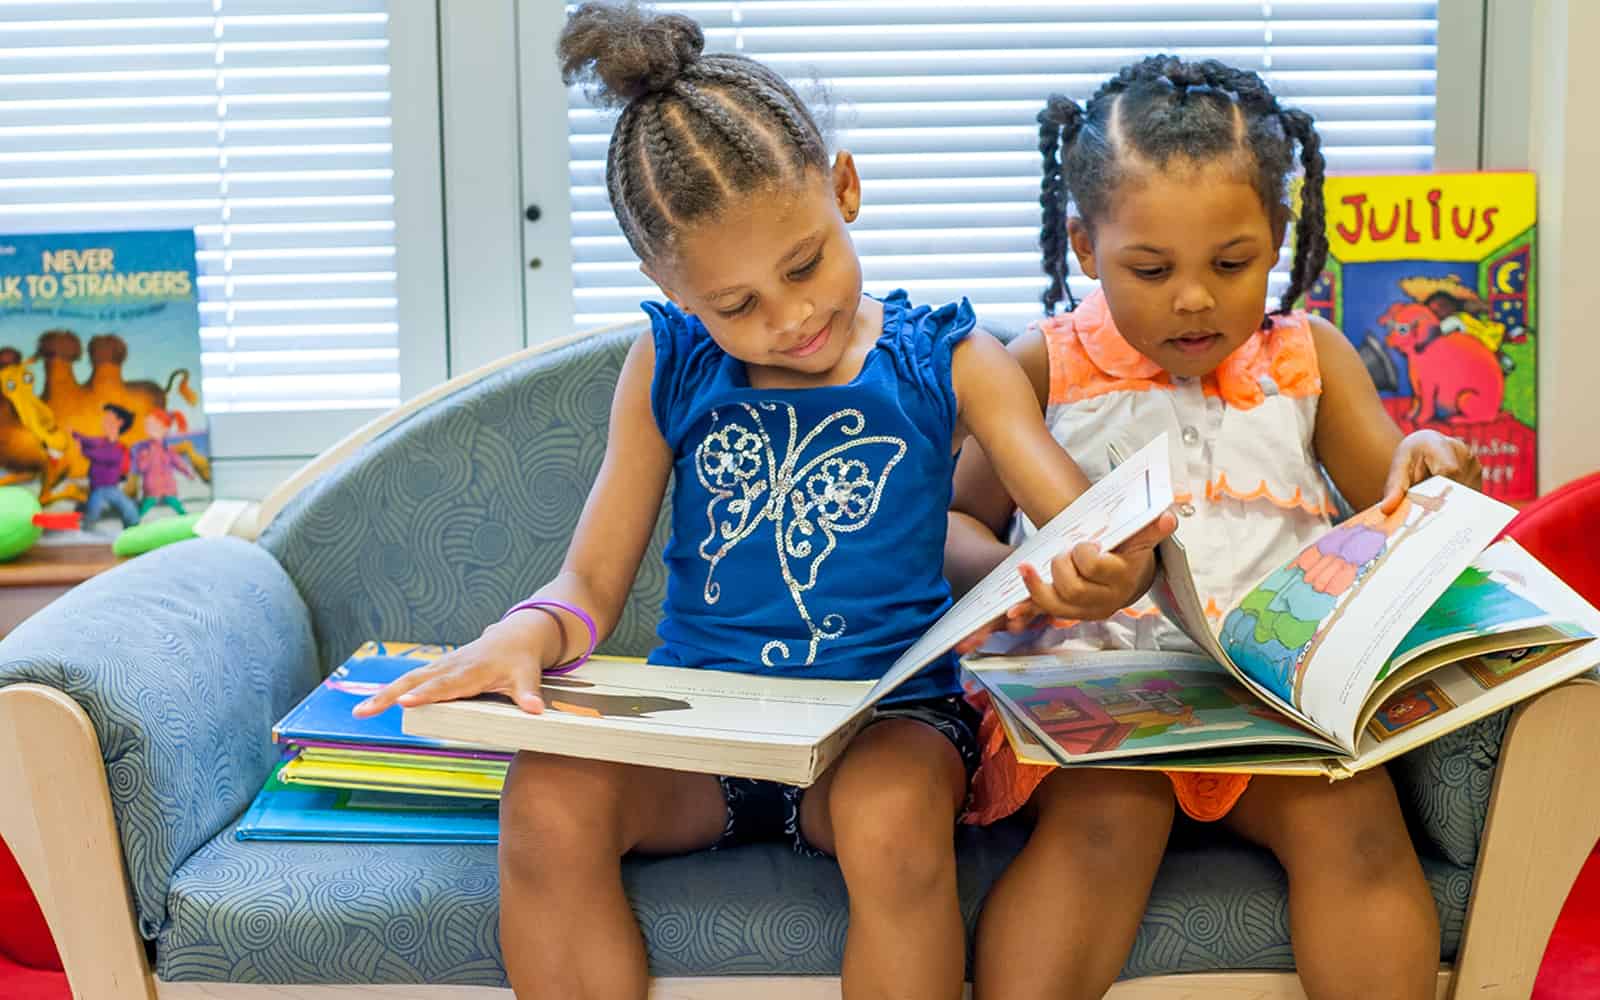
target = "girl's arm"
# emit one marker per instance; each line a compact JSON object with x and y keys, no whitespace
{"x":1001,"y":405}
{"x":981,"y":509}
{"x":1360,"y":446}
{"x":602,"y":561}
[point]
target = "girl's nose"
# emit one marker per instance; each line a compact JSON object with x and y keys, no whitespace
{"x":794,"y":316}
{"x":1193,"y":298}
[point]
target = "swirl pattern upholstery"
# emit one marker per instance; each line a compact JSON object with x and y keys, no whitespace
{"x":428,"y":532}
{"x":349,"y":913}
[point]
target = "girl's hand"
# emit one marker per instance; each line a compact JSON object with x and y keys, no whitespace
{"x":1086,"y":584}
{"x":502,"y":660}
{"x":1428,"y":453}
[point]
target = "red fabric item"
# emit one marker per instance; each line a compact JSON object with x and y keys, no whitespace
{"x":1560,"y":529}
{"x":18,"y":982}
{"x":1571,"y":969}
{"x":24,"y":937}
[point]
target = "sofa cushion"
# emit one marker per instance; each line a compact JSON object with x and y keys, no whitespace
{"x":345,"y":913}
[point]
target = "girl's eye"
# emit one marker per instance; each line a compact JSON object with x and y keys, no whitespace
{"x":1232,"y":265}
{"x":806,"y":269}
{"x":1149,"y":273}
{"x":736,"y":311}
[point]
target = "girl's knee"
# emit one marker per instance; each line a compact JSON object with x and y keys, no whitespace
{"x":1365,"y":851}
{"x":554,"y":807}
{"x":1107,"y":812}
{"x":898,"y":837}
{"x":1353,"y":827}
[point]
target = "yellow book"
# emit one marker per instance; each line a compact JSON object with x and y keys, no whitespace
{"x":380,"y":758}
{"x":384,"y":777}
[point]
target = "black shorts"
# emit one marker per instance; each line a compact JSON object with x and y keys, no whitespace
{"x":769,"y":810}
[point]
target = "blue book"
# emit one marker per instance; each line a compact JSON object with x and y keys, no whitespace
{"x":323,"y":717}
{"x":303,"y":812}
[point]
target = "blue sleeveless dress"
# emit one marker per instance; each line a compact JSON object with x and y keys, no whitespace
{"x":808,"y":525}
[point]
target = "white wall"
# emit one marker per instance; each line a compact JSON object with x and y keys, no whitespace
{"x":1542,"y":112}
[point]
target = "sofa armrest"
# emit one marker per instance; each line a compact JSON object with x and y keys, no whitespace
{"x":1541,"y":827}
{"x":182,"y":660}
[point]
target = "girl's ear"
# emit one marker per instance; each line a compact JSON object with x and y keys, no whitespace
{"x":1082,"y":247}
{"x":846,"y":185}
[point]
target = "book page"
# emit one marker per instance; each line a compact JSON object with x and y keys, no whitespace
{"x":1489,"y":598}
{"x":1423,"y":708}
{"x":1086,"y":707}
{"x":1319,"y":630}
{"x":1175,"y":594}
{"x":1109,"y":512}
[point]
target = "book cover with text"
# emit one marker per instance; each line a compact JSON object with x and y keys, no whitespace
{"x":100,"y":406}
{"x":1432,"y":277}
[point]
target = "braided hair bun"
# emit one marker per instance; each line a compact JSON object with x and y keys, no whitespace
{"x":624,"y":53}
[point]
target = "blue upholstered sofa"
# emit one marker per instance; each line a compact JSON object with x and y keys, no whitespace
{"x":134,"y":719}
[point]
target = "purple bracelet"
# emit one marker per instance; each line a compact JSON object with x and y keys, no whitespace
{"x":583,"y":616}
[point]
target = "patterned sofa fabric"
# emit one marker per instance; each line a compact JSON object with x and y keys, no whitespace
{"x":183,"y":659}
{"x":435,"y":528}
{"x":345,"y":913}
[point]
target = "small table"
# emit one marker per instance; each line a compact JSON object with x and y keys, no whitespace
{"x":44,"y":573}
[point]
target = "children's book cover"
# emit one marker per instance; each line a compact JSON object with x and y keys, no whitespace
{"x":100,"y":373}
{"x":1432,"y":277}
{"x":323,"y":717}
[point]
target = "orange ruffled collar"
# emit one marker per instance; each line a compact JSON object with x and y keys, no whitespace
{"x":1280,"y":360}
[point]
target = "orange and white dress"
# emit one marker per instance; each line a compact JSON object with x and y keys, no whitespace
{"x":1248,"y":487}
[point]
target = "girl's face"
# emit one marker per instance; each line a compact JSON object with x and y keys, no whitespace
{"x":154,"y":426}
{"x":1183,"y":256}
{"x":775,"y":277}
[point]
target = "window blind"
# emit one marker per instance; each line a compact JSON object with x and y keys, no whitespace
{"x":264,"y":125}
{"x":936,"y":99}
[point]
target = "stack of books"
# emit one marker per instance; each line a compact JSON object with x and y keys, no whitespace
{"x":349,"y":779}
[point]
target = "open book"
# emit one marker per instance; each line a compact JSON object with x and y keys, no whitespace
{"x":1385,"y":633}
{"x":781,"y":729}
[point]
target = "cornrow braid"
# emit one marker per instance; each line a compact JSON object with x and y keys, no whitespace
{"x":767,"y":95}
{"x":1162,"y":108}
{"x":695,"y":129}
{"x":1311,"y":228}
{"x":1058,"y":126}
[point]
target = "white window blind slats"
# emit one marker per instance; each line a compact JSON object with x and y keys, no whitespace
{"x":936,"y":100}
{"x":265,"y":126}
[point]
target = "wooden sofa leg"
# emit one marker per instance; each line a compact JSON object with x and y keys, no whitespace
{"x":1544,"y":816}
{"x":55,"y":814}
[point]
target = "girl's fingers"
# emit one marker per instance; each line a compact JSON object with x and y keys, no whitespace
{"x":463,"y":683}
{"x":1149,"y":536}
{"x":1402,"y":475}
{"x":1069,"y":595}
{"x":525,"y":692}
{"x":385,"y":699}
{"x":1043,"y":597}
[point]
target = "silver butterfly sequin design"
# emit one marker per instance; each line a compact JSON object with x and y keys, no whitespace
{"x":810,"y":500}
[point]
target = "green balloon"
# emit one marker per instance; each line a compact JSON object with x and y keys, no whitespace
{"x":17,"y":530}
